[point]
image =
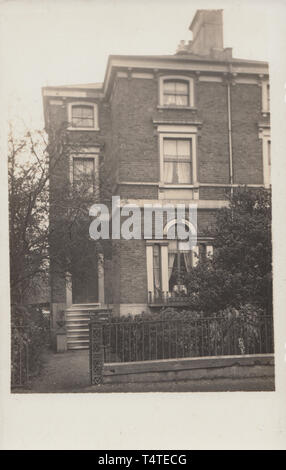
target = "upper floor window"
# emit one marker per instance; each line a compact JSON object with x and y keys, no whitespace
{"x":176,"y":91}
{"x":265,"y":97}
{"x":177,"y":155}
{"x":83,"y":116}
{"x":84,"y":171}
{"x":84,"y":174}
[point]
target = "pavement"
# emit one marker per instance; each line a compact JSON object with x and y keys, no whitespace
{"x":69,"y":373}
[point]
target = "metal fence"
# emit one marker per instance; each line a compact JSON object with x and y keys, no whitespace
{"x":19,"y":357}
{"x":145,"y":340}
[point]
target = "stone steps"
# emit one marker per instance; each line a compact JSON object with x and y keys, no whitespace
{"x":77,"y":325}
{"x":77,"y":320}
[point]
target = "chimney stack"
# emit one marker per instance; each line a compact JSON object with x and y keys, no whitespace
{"x":207,"y":29}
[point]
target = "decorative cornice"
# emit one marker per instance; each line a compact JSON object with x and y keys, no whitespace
{"x":177,"y":64}
{"x":263,"y":125}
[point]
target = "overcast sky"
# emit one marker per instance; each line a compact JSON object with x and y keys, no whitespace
{"x":47,"y":42}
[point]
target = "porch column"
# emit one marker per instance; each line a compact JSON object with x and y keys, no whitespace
{"x":101,"y":278}
{"x":149,"y":262}
{"x":68,"y":289}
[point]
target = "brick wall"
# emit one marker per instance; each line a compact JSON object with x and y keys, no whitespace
{"x":213,"y":193}
{"x":135,"y":142}
{"x":129,"y":277}
{"x":213,"y":153}
{"x":135,"y":145}
{"x":247,"y":148}
{"x":132,"y":272}
{"x":130,"y":141}
{"x":138,"y":191}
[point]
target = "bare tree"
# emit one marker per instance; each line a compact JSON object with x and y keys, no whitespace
{"x":48,"y":215}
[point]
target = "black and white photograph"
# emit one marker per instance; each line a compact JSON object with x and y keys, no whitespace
{"x":139,"y":172}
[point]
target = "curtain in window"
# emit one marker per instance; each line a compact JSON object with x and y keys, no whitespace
{"x":181,"y":100}
{"x":156,"y":268}
{"x":169,"y":172}
{"x":177,"y":161}
{"x":176,"y":93}
{"x":184,"y":158}
{"x":184,"y":173}
{"x":172,"y":253}
{"x":169,"y":100}
{"x":188,"y":260}
{"x":171,"y":259}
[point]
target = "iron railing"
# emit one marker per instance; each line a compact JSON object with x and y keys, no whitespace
{"x":145,"y":340}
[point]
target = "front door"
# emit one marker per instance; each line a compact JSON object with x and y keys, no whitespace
{"x":85,"y":283}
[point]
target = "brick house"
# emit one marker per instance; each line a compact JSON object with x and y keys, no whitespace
{"x":178,"y":128}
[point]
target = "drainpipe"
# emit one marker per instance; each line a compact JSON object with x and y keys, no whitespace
{"x":229,"y":137}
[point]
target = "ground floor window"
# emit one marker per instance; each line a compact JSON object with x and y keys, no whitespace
{"x":169,"y":263}
{"x":180,"y":263}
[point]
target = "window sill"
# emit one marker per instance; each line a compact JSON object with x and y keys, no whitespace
{"x":83,"y":129}
{"x":185,"y":108}
{"x":178,"y":186}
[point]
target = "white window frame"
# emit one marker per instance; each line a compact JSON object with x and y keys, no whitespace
{"x":164,"y":259}
{"x":179,"y":78}
{"x":264,"y":134}
{"x":86,"y":152}
{"x":264,"y":98}
{"x":177,"y":136}
{"x":95,"y":116}
{"x":164,"y":255}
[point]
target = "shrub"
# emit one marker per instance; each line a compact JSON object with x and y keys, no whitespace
{"x":241,"y":269}
{"x":29,"y":337}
